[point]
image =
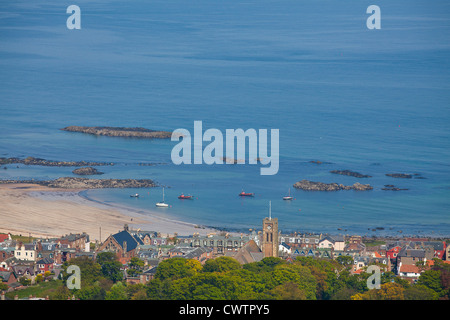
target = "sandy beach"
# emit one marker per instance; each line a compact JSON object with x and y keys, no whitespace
{"x":39,"y":211}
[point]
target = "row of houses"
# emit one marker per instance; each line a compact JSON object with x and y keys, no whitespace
{"x":18,"y":259}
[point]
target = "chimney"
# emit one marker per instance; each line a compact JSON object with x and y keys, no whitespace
{"x":125,"y":248}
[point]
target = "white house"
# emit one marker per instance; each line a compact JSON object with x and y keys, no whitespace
{"x":409,"y":271}
{"x":335,"y":242}
{"x":285,"y":248}
{"x":25,"y":252}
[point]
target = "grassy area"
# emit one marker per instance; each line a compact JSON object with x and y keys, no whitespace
{"x":374,"y":243}
{"x":40,"y":290}
{"x":21,"y":238}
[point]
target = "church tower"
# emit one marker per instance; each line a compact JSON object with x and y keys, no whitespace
{"x":269,"y":243}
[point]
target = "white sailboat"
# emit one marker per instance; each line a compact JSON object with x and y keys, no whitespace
{"x":289,"y":196}
{"x":162,"y":203}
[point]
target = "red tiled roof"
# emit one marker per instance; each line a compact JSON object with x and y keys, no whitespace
{"x":409,"y":268}
{"x":431,"y":262}
{"x":3,"y":237}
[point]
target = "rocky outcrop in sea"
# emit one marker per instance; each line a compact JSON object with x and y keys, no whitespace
{"x":321,"y":186}
{"x":86,"y":183}
{"x":399,"y":175}
{"x":350,"y":173}
{"x":405,"y":175}
{"x":136,"y":132}
{"x":391,"y":187}
{"x":52,"y":163}
{"x":86,"y":171}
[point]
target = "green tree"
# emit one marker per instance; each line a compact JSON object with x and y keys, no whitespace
{"x":117,"y":292}
{"x":92,"y":292}
{"x":388,"y":291}
{"x":346,"y":261}
{"x":135,"y":267}
{"x":287,"y":291}
{"x":265,"y":265}
{"x":61,"y":293}
{"x":90,"y":270}
{"x":420,"y":292}
{"x":210,"y":286}
{"x":158,"y":289}
{"x":297,"y":274}
{"x":136,"y":292}
{"x":432,"y":280}
{"x":176,"y":268}
{"x":110,"y":266}
{"x":221,"y":264}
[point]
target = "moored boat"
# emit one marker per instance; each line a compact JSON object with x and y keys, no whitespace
{"x":289,"y":196}
{"x":182,"y":196}
{"x":162,"y":203}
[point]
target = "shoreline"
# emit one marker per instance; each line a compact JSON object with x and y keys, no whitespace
{"x":39,"y":211}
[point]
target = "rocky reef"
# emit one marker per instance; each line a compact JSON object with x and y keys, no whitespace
{"x":350,"y":173}
{"x":86,"y":171}
{"x":51,"y":163}
{"x":86,"y":183}
{"x":405,"y":175}
{"x":399,"y":175}
{"x":136,"y":132}
{"x":319,"y":162}
{"x":321,"y":186}
{"x":391,"y":187}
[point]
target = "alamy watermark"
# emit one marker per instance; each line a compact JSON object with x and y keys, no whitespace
{"x":74,"y":280}
{"x":190,"y":149}
{"x":374,"y":281}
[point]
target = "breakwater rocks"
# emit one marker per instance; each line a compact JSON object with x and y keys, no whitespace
{"x":350,"y":173}
{"x":86,"y":171}
{"x":86,"y":183}
{"x":51,"y":163}
{"x":121,"y":132}
{"x":320,"y":186}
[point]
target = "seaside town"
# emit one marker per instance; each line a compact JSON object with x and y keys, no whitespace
{"x":133,"y":265}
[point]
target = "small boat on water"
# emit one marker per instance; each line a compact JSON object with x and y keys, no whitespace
{"x":182,"y":196}
{"x":246,"y":194}
{"x":162,"y":203}
{"x":134,"y":195}
{"x":289,"y":196}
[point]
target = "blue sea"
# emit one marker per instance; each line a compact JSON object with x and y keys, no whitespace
{"x":371,"y":101}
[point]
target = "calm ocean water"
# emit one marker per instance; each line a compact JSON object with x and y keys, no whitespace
{"x":371,"y":101}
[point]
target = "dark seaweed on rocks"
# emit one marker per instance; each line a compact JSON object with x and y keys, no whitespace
{"x":350,"y":173}
{"x":320,"y":186}
{"x":135,"y":132}
{"x":31,"y":161}
{"x":86,"y":183}
{"x":86,"y":171}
